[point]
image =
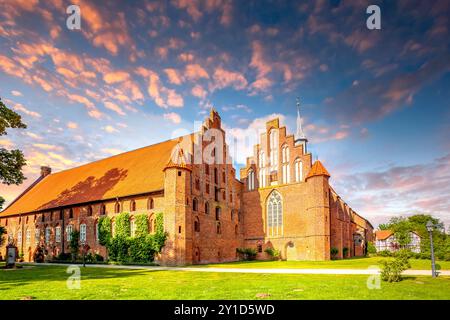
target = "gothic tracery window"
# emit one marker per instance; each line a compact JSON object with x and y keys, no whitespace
{"x":274,"y":214}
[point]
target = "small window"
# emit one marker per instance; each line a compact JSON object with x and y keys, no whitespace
{"x":197,"y":184}
{"x":48,"y":232}
{"x":97,"y":238}
{"x":58,"y":234}
{"x":133,"y":228}
{"x":37,"y":235}
{"x":206,"y":207}
{"x":197,"y":225}
{"x":61,"y":214}
{"x":260,"y":248}
{"x":117,"y":207}
{"x":70,"y":213}
{"x":207,"y":169}
{"x":195,"y":205}
{"x":43,"y":218}
{"x":224,"y":195}
{"x":28,"y":237}
{"x":82,"y":233}
{"x":179,"y":229}
{"x":150,"y":203}
{"x":69,"y":231}
{"x":102,"y":209}
{"x":133,"y":206}
{"x":216,"y":178}
{"x":218,"y":228}
{"x":216,"y":194}
{"x":179,"y":173}
{"x":51,"y":216}
{"x":223,"y":177}
{"x":236,"y":229}
{"x":207,"y":188}
{"x":89,"y":211}
{"x":218,"y":212}
{"x":19,"y":237}
{"x":151,"y":227}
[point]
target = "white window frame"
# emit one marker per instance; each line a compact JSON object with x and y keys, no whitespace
{"x":275,"y":214}
{"x":37,"y":235}
{"x":83,"y":232}
{"x":58,"y":234}
{"x":69,"y":230}
{"x":28,"y":237}
{"x":251,"y":179}
{"x":133,"y":226}
{"x":48,"y":233}
{"x":19,"y":237}
{"x":96,"y":232}
{"x":298,"y":165}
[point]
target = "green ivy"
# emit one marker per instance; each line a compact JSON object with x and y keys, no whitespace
{"x":122,"y":228}
{"x":74,"y":243}
{"x":141,"y":222}
{"x":104,"y":231}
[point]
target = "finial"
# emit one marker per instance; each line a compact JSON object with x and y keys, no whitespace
{"x":299,"y":134}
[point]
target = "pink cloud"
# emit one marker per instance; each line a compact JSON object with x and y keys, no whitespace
{"x":224,"y":78}
{"x":116,"y":76}
{"x":174,"y":76}
{"x":172,"y":116}
{"x":198,"y":91}
{"x":194,"y":72}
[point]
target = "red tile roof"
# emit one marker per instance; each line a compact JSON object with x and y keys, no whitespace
{"x":134,"y":172}
{"x":317,"y":169}
{"x":383,"y":234}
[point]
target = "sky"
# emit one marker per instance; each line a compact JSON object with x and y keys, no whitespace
{"x":375,"y":103}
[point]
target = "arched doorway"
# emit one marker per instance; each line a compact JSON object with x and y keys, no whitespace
{"x":291,"y":251}
{"x":196,"y":259}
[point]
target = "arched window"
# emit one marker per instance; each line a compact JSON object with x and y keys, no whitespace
{"x":150,"y":203}
{"x":97,"y":238}
{"x":251,"y":180}
{"x":218,"y":211}
{"x":58,"y":234}
{"x":195,"y":204}
{"x":197,"y":225}
{"x":298,"y":167}
{"x":207,"y":207}
{"x":286,"y":170}
{"x":70,"y":213}
{"x":132,"y":206}
{"x":37,"y":235}
{"x":48,"y":232}
{"x":151,"y":225}
{"x":218,"y":227}
{"x":102,"y":209}
{"x":19,"y":238}
{"x":82,"y":233}
{"x":89,"y":211}
{"x":117,"y":207}
{"x":28,"y":237}
{"x":113,"y":228}
{"x":61,"y":214}
{"x":273,"y":148}
{"x":236,"y":229}
{"x":133,"y":228}
{"x":274,"y":214}
{"x":262,"y":160}
{"x":216,"y":178}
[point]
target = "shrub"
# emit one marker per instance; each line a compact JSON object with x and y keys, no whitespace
{"x":391,"y":270}
{"x":334,"y":252}
{"x":385,"y":253}
{"x":63,"y":256}
{"x":141,"y":249}
{"x":447,"y":257}
{"x":141,"y":221}
{"x":274,"y":253}
{"x":123,"y":225}
{"x":104,"y":231}
{"x":345,"y":251}
{"x":371,"y":248}
{"x":247,"y":253}
{"x":74,"y":244}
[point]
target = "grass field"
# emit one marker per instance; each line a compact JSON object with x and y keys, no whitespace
{"x":355,"y":263}
{"x":49,"y":282}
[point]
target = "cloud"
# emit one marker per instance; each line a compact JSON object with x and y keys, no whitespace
{"x":5,"y":143}
{"x":198,"y":91}
{"x":172,"y":116}
{"x":116,"y":76}
{"x":174,"y":76}
{"x":110,"y":129}
{"x":191,"y":7}
{"x":224,"y":78}
{"x":44,"y":146}
{"x":111,"y":151}
{"x":186,"y":57}
{"x":16,"y":93}
{"x":114,"y":107}
{"x":20,"y":108}
{"x":195,"y":72}
{"x":72,"y":125}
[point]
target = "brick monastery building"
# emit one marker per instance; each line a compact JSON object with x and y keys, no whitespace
{"x":282,"y":200}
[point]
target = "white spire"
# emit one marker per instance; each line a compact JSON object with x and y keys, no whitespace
{"x":299,"y":134}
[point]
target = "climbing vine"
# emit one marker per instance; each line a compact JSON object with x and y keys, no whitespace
{"x":104,"y":230}
{"x":122,"y":228}
{"x":141,"y":225}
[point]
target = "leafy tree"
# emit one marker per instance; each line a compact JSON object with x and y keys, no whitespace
{"x":2,"y":238}
{"x":11,"y":162}
{"x":74,"y":244}
{"x":383,"y":226}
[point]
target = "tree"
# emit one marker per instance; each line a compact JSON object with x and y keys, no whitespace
{"x":11,"y":162}
{"x":2,"y":238}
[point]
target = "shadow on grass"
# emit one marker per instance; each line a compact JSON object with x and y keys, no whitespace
{"x":45,"y":274}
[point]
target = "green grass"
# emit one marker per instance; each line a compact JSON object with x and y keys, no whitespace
{"x":49,"y":282}
{"x":355,"y":263}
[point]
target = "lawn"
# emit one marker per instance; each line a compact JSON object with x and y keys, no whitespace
{"x":49,"y":282}
{"x":355,"y":263}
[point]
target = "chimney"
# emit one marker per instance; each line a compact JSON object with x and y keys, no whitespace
{"x":45,"y":171}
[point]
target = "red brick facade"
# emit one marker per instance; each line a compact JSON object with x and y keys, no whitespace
{"x":208,"y":213}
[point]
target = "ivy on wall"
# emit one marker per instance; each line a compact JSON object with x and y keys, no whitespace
{"x":122,"y":247}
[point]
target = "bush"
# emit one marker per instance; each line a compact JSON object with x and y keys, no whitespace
{"x":334,"y":252}
{"x":274,"y":253}
{"x":447,"y":257}
{"x":63,"y":256}
{"x":74,"y":244}
{"x":391,"y":270}
{"x":247,"y":253}
{"x":345,"y":251}
{"x":371,"y":248}
{"x":385,"y":253}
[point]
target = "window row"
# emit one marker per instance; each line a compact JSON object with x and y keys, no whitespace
{"x":285,"y":175}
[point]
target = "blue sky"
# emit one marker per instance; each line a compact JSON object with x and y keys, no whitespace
{"x":375,"y":103}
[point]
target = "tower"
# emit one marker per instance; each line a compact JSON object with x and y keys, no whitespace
{"x":177,"y":176}
{"x":319,"y":211}
{"x":300,"y":138}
